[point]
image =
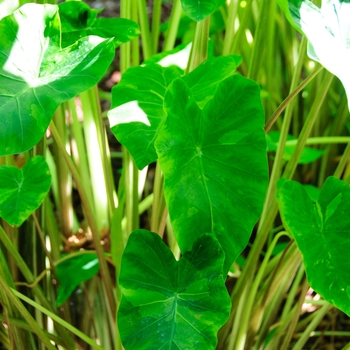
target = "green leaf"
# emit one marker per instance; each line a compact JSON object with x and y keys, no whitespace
{"x":176,"y":57}
{"x":321,"y":231}
{"x":328,"y":31}
{"x":138,"y":111}
{"x":79,"y":20}
{"x":36,"y":76}
{"x":23,"y":190}
{"x":204,"y":80}
{"x":199,"y":9}
{"x":214,"y":163}
{"x":308,"y":155}
{"x":72,"y":272}
{"x":167,"y":303}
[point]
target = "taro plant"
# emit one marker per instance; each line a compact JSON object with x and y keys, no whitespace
{"x":182,"y":247}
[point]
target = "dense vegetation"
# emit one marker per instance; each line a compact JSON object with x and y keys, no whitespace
{"x":202,"y":203}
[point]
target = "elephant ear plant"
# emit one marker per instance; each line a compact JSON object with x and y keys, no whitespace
{"x":206,"y":129}
{"x":203,"y":125}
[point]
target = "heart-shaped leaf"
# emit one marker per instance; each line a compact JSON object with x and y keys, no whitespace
{"x":321,"y":231}
{"x":36,"y":75}
{"x":72,"y":272}
{"x":204,"y":80}
{"x":169,"y":304}
{"x":79,"y":20}
{"x":328,"y":31}
{"x":23,"y":190}
{"x":138,"y":109}
{"x":199,"y":9}
{"x":214,"y":163}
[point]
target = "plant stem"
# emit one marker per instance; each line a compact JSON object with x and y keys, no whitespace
{"x":319,"y":315}
{"x":59,"y":320}
{"x":199,"y":50}
{"x":156,"y":16}
{"x":27,"y":274}
{"x":91,"y":221}
{"x":170,"y":35}
{"x":145,"y":33}
{"x":290,"y":97}
{"x":11,"y":293}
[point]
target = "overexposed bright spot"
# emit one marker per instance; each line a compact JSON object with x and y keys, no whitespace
{"x":179,"y":59}
{"x":129,"y":112}
{"x":90,"y":264}
{"x":249,"y":36}
{"x":243,"y":4}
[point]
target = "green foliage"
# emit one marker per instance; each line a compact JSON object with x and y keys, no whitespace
{"x":328,"y":31}
{"x":198,"y":10}
{"x":23,"y":190}
{"x":188,"y":110}
{"x":173,"y":304}
{"x":200,"y":151}
{"x":138,"y":109}
{"x":78,"y":20}
{"x":36,"y":75}
{"x":72,"y":271}
{"x":321,"y":232}
{"x":309,"y":155}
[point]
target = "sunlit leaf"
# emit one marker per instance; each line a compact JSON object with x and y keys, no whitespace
{"x":328,"y":31}
{"x":72,"y":272}
{"x":23,"y":190}
{"x":176,"y":57}
{"x":204,"y":80}
{"x":169,"y":304}
{"x":138,"y":109}
{"x":79,"y":20}
{"x":36,"y":75}
{"x":321,"y":231}
{"x":199,"y":9}
{"x":214,"y":163}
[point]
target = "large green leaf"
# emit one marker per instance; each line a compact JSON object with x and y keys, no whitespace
{"x":169,"y":304}
{"x":199,"y":9}
{"x":23,"y":190}
{"x":328,"y":31}
{"x":214,"y":163}
{"x":321,"y":231}
{"x":72,"y":272}
{"x":204,"y":80}
{"x":36,"y":75}
{"x":79,"y":20}
{"x":138,"y":109}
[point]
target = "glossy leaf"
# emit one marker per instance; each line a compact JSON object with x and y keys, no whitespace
{"x":178,"y":57}
{"x":36,"y":76}
{"x":72,"y":272}
{"x":328,"y":31}
{"x":321,"y":231}
{"x":169,"y":304}
{"x":138,"y":109}
{"x":204,"y":80}
{"x":199,"y":9}
{"x":23,"y":190}
{"x":79,"y":20}
{"x":214,"y":163}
